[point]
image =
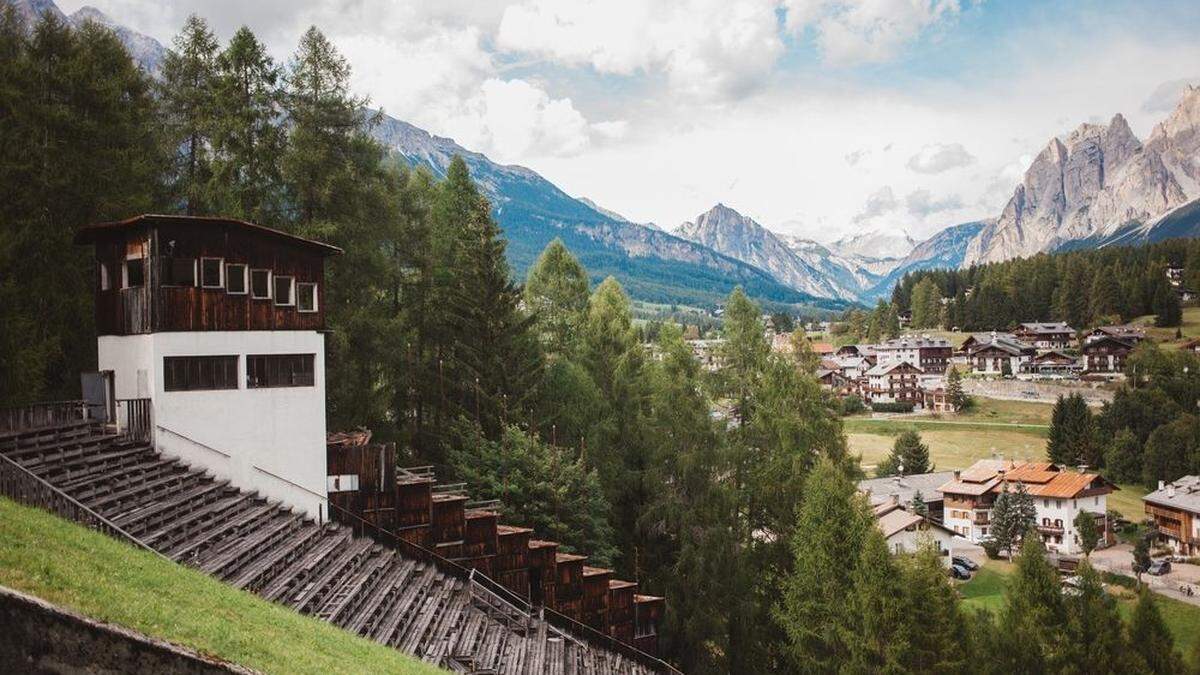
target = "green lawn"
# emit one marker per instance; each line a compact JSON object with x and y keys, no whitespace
{"x":105,"y":579}
{"x":1007,"y":412}
{"x":1190,"y":327}
{"x":986,"y":591}
{"x":1128,"y":502}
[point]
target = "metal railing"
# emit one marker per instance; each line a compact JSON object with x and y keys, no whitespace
{"x":42,"y":414}
{"x":22,"y":485}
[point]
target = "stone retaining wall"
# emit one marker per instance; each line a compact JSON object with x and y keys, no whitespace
{"x":38,"y":637}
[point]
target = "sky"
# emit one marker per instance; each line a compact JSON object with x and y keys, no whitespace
{"x":818,"y":118}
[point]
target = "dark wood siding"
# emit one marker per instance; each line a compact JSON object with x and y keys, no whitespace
{"x":155,"y":307}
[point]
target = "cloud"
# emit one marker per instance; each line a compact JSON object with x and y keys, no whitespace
{"x":856,"y":156}
{"x":851,"y":32}
{"x":705,"y":48}
{"x":878,"y":203}
{"x":939,"y":157}
{"x":1166,"y":96}
{"x":514,"y":119}
{"x":921,"y":203}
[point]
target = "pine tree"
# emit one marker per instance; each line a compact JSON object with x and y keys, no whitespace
{"x":1123,"y":459}
{"x":1032,"y":624}
{"x":1072,"y":438}
{"x":744,"y":353}
{"x":247,"y":137}
{"x":938,"y":639}
{"x":832,"y":525}
{"x":556,"y":292}
{"x":1149,"y":638}
{"x":954,"y":389}
{"x":879,"y":619}
{"x":188,"y":91}
{"x":1167,"y":311}
{"x":1095,"y":635}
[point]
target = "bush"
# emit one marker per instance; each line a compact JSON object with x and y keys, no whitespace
{"x":897,"y":407}
{"x":852,"y":405}
{"x":991,"y":548}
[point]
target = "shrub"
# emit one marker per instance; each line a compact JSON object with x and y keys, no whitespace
{"x":897,"y":407}
{"x":852,"y":405}
{"x":991,"y":548}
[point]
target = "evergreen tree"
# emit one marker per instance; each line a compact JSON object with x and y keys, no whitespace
{"x":926,"y":304}
{"x":1149,"y":638}
{"x":918,"y":506}
{"x":1072,"y":438}
{"x":188,"y":91}
{"x":744,"y":353}
{"x":542,"y":487}
{"x":1013,"y":515}
{"x":832,"y":526}
{"x":1167,"y":311}
{"x":1032,"y":636}
{"x":938,"y":639}
{"x":556,"y":292}
{"x":1095,"y":636}
{"x":878,"y":626}
{"x":247,"y":137}
{"x":1123,"y":459}
{"x":954,"y":389}
{"x":1171,"y":451}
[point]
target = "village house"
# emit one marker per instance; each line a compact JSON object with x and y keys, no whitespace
{"x":851,"y":367}
{"x":707,"y":353}
{"x":1105,"y":354}
{"x":896,"y":382}
{"x":830,"y":378}
{"x":1056,"y":335}
{"x":1175,"y":510}
{"x":906,"y":488}
{"x":999,"y":355}
{"x":930,"y":354}
{"x":1059,"y":495}
{"x":906,"y":531}
{"x":1127,"y":332}
{"x":975,"y":339}
{"x":1053,"y":363}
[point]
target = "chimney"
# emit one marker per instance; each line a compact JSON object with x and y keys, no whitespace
{"x":1161,"y":485}
{"x":895,"y":501}
{"x":957,"y":473}
{"x":1171,"y":491}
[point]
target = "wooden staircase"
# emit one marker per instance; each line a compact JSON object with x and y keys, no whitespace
{"x":320,"y":569}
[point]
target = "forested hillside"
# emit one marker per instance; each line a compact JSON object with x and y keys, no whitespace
{"x":1082,"y":288}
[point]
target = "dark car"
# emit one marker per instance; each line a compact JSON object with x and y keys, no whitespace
{"x":960,"y":572}
{"x":1159,"y":568}
{"x":966,"y":563}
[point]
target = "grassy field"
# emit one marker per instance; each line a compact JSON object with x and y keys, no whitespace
{"x":1012,"y":428}
{"x":1128,"y":501}
{"x":105,"y":579}
{"x":1190,"y":327}
{"x":986,"y":591}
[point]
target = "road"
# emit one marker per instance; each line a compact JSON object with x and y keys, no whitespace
{"x":1119,"y":560}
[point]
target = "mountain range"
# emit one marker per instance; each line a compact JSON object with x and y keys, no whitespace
{"x":1098,"y":186}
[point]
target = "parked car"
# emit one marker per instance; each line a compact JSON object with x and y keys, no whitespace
{"x":1159,"y":567}
{"x":967,"y":563}
{"x":960,"y":572}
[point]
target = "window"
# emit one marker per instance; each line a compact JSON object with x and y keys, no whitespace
{"x":197,"y":373}
{"x":235,"y":279}
{"x":283,"y":291}
{"x":279,"y":370}
{"x":210,"y":272}
{"x":260,"y":284}
{"x":178,"y":271}
{"x":1045,"y":503}
{"x":135,"y":273}
{"x":306,"y":297}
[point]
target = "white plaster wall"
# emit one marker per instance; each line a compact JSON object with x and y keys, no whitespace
{"x":905,"y":541}
{"x":1066,"y":510}
{"x":270,"y":440}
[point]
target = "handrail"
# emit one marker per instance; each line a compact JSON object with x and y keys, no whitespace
{"x":22,"y":485}
{"x":185,"y":437}
{"x":41,"y":414}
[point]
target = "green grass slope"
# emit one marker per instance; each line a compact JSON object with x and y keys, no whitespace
{"x":103,"y":578}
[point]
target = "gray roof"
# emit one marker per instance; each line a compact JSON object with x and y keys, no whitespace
{"x":1186,"y":495}
{"x":1047,"y":328}
{"x":906,"y":486}
{"x":910,"y":341}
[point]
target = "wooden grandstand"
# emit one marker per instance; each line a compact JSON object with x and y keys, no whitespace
{"x":402,"y":589}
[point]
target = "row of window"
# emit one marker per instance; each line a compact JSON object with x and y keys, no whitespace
{"x":215,"y":273}
{"x":206,"y":373}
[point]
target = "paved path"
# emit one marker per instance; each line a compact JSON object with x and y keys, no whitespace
{"x":915,"y":419}
{"x":1119,"y":560}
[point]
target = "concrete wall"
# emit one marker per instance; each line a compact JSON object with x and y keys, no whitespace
{"x":38,"y":637}
{"x":271,"y":440}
